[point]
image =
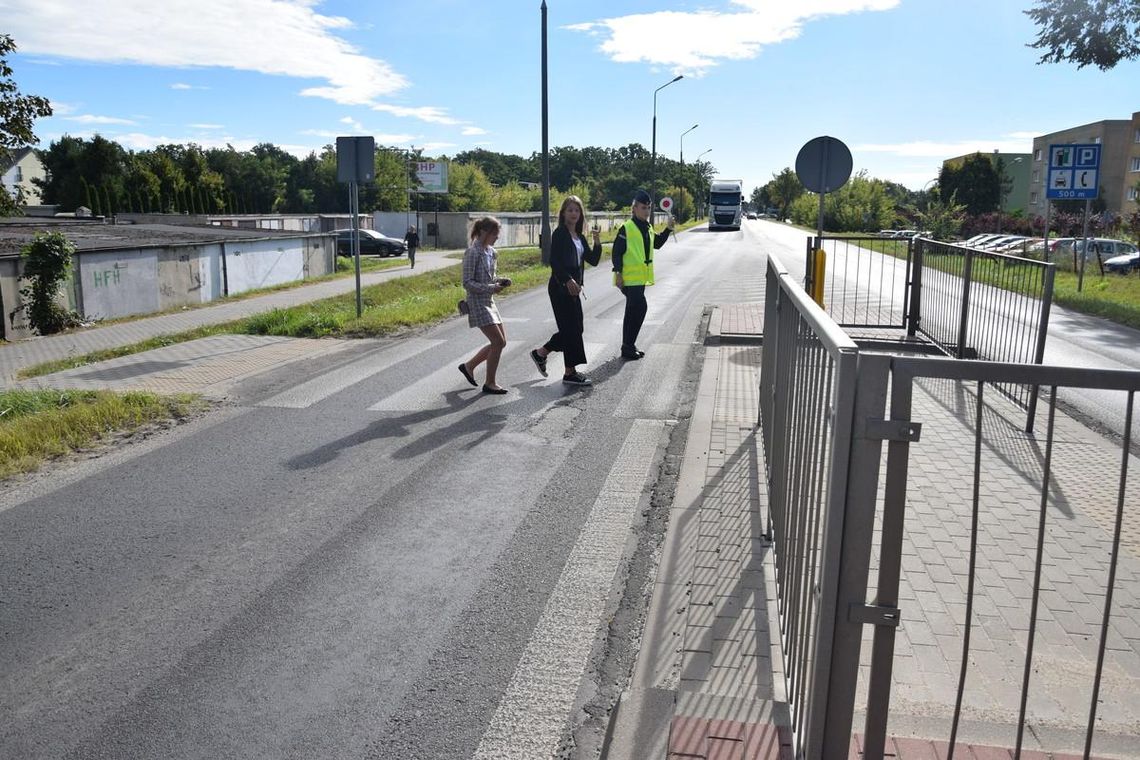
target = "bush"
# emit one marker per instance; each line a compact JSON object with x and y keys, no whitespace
{"x":47,"y":261}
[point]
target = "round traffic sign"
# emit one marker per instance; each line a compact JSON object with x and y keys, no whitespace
{"x":823,"y":164}
{"x":666,"y":203}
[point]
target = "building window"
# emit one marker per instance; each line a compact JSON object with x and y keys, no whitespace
{"x":1136,"y":137}
{"x":1033,"y":198}
{"x":1037,"y":153}
{"x":19,"y":174}
{"x":1132,"y":193}
{"x":1135,"y":167}
{"x":1036,"y":175}
{"x":1096,"y":140}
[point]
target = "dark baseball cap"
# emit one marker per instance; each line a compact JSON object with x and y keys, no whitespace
{"x":642,"y":197}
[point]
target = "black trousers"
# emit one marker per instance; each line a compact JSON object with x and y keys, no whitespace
{"x":412,"y":255}
{"x":568,"y":317}
{"x":635,"y":309}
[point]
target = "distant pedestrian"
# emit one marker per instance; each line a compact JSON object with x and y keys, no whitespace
{"x":633,"y":269}
{"x":568,"y":257}
{"x":481,"y":283}
{"x":412,"y":238}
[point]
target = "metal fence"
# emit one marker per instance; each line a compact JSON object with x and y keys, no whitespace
{"x":807,"y":371}
{"x":969,"y":304}
{"x":826,"y":410}
{"x":866,"y":281}
{"x":981,"y":305}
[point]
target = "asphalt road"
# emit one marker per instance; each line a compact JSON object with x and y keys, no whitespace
{"x":363,"y":556}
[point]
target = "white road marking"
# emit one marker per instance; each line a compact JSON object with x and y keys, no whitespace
{"x":321,"y":387}
{"x":535,"y":709}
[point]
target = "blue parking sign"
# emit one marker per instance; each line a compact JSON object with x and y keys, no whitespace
{"x":1074,"y":172}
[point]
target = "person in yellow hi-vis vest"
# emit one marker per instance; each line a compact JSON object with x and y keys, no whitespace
{"x":633,"y":269}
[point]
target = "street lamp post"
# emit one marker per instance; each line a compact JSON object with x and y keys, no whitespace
{"x":702,"y":184}
{"x":653,"y":155}
{"x":681,"y":184}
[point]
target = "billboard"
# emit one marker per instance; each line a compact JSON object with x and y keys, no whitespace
{"x":431,"y":176}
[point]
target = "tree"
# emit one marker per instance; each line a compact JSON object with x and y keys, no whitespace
{"x":1097,"y":32}
{"x":974,"y":184}
{"x":942,"y":220}
{"x":18,"y":113}
{"x":784,"y":188}
{"x":47,"y":261}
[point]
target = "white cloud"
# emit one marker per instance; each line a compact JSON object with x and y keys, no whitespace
{"x":277,"y":37}
{"x":184,"y":86}
{"x":435,"y":147}
{"x":691,"y":42}
{"x":424,"y":113}
{"x":206,"y":126}
{"x":381,"y":138}
{"x":472,"y":131}
{"x":92,"y":119}
{"x":1014,"y":143}
{"x":59,"y":108}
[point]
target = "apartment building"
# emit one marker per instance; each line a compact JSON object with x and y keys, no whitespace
{"x":1119,"y":162}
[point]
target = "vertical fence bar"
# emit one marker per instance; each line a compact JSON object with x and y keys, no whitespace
{"x":860,"y":393}
{"x":914,"y":313}
{"x":890,"y":567}
{"x":964,"y":315}
{"x":1049,"y":276}
{"x":1125,"y":448}
{"x":970,"y":583}
{"x":1036,"y":597}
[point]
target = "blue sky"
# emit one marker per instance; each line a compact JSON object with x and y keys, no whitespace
{"x":904,"y":83}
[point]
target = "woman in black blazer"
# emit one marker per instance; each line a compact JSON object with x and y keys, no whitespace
{"x":568,"y":256}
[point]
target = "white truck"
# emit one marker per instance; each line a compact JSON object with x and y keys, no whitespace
{"x":726,"y":201}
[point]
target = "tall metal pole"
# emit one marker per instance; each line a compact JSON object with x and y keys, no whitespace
{"x":681,"y":187}
{"x":653,"y":155}
{"x":704,"y":187}
{"x":544,"y":235}
{"x":1000,"y":166}
{"x":354,"y":205}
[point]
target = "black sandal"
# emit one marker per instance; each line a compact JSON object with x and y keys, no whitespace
{"x":495,"y":391}
{"x":467,"y":374}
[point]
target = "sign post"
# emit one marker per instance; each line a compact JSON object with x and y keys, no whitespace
{"x":822,"y":165}
{"x":355,"y":163}
{"x":1074,"y":174}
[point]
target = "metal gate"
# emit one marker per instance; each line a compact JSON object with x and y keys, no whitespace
{"x":826,"y":410}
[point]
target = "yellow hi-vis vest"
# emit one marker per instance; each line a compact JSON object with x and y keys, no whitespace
{"x":637,"y":264}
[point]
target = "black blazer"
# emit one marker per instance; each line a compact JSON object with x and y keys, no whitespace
{"x":564,"y":259}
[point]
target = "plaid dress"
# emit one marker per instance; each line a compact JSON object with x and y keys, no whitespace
{"x":479,"y":282}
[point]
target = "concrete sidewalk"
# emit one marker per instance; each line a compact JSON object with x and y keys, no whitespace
{"x":708,"y":682}
{"x":27,"y":353}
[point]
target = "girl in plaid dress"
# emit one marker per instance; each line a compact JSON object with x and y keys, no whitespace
{"x":481,"y":284}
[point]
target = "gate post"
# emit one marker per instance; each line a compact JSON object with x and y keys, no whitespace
{"x":847,"y":540}
{"x":1039,"y":351}
{"x":914,"y":312}
{"x":964,"y":316}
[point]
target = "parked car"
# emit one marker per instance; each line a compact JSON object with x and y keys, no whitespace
{"x":977,"y":241}
{"x":1127,"y":259}
{"x":372,"y":243}
{"x":1000,"y":242}
{"x":1107,"y":247}
{"x":751,"y":215}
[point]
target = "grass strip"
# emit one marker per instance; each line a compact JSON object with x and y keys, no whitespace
{"x":388,"y":307}
{"x":36,"y":425}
